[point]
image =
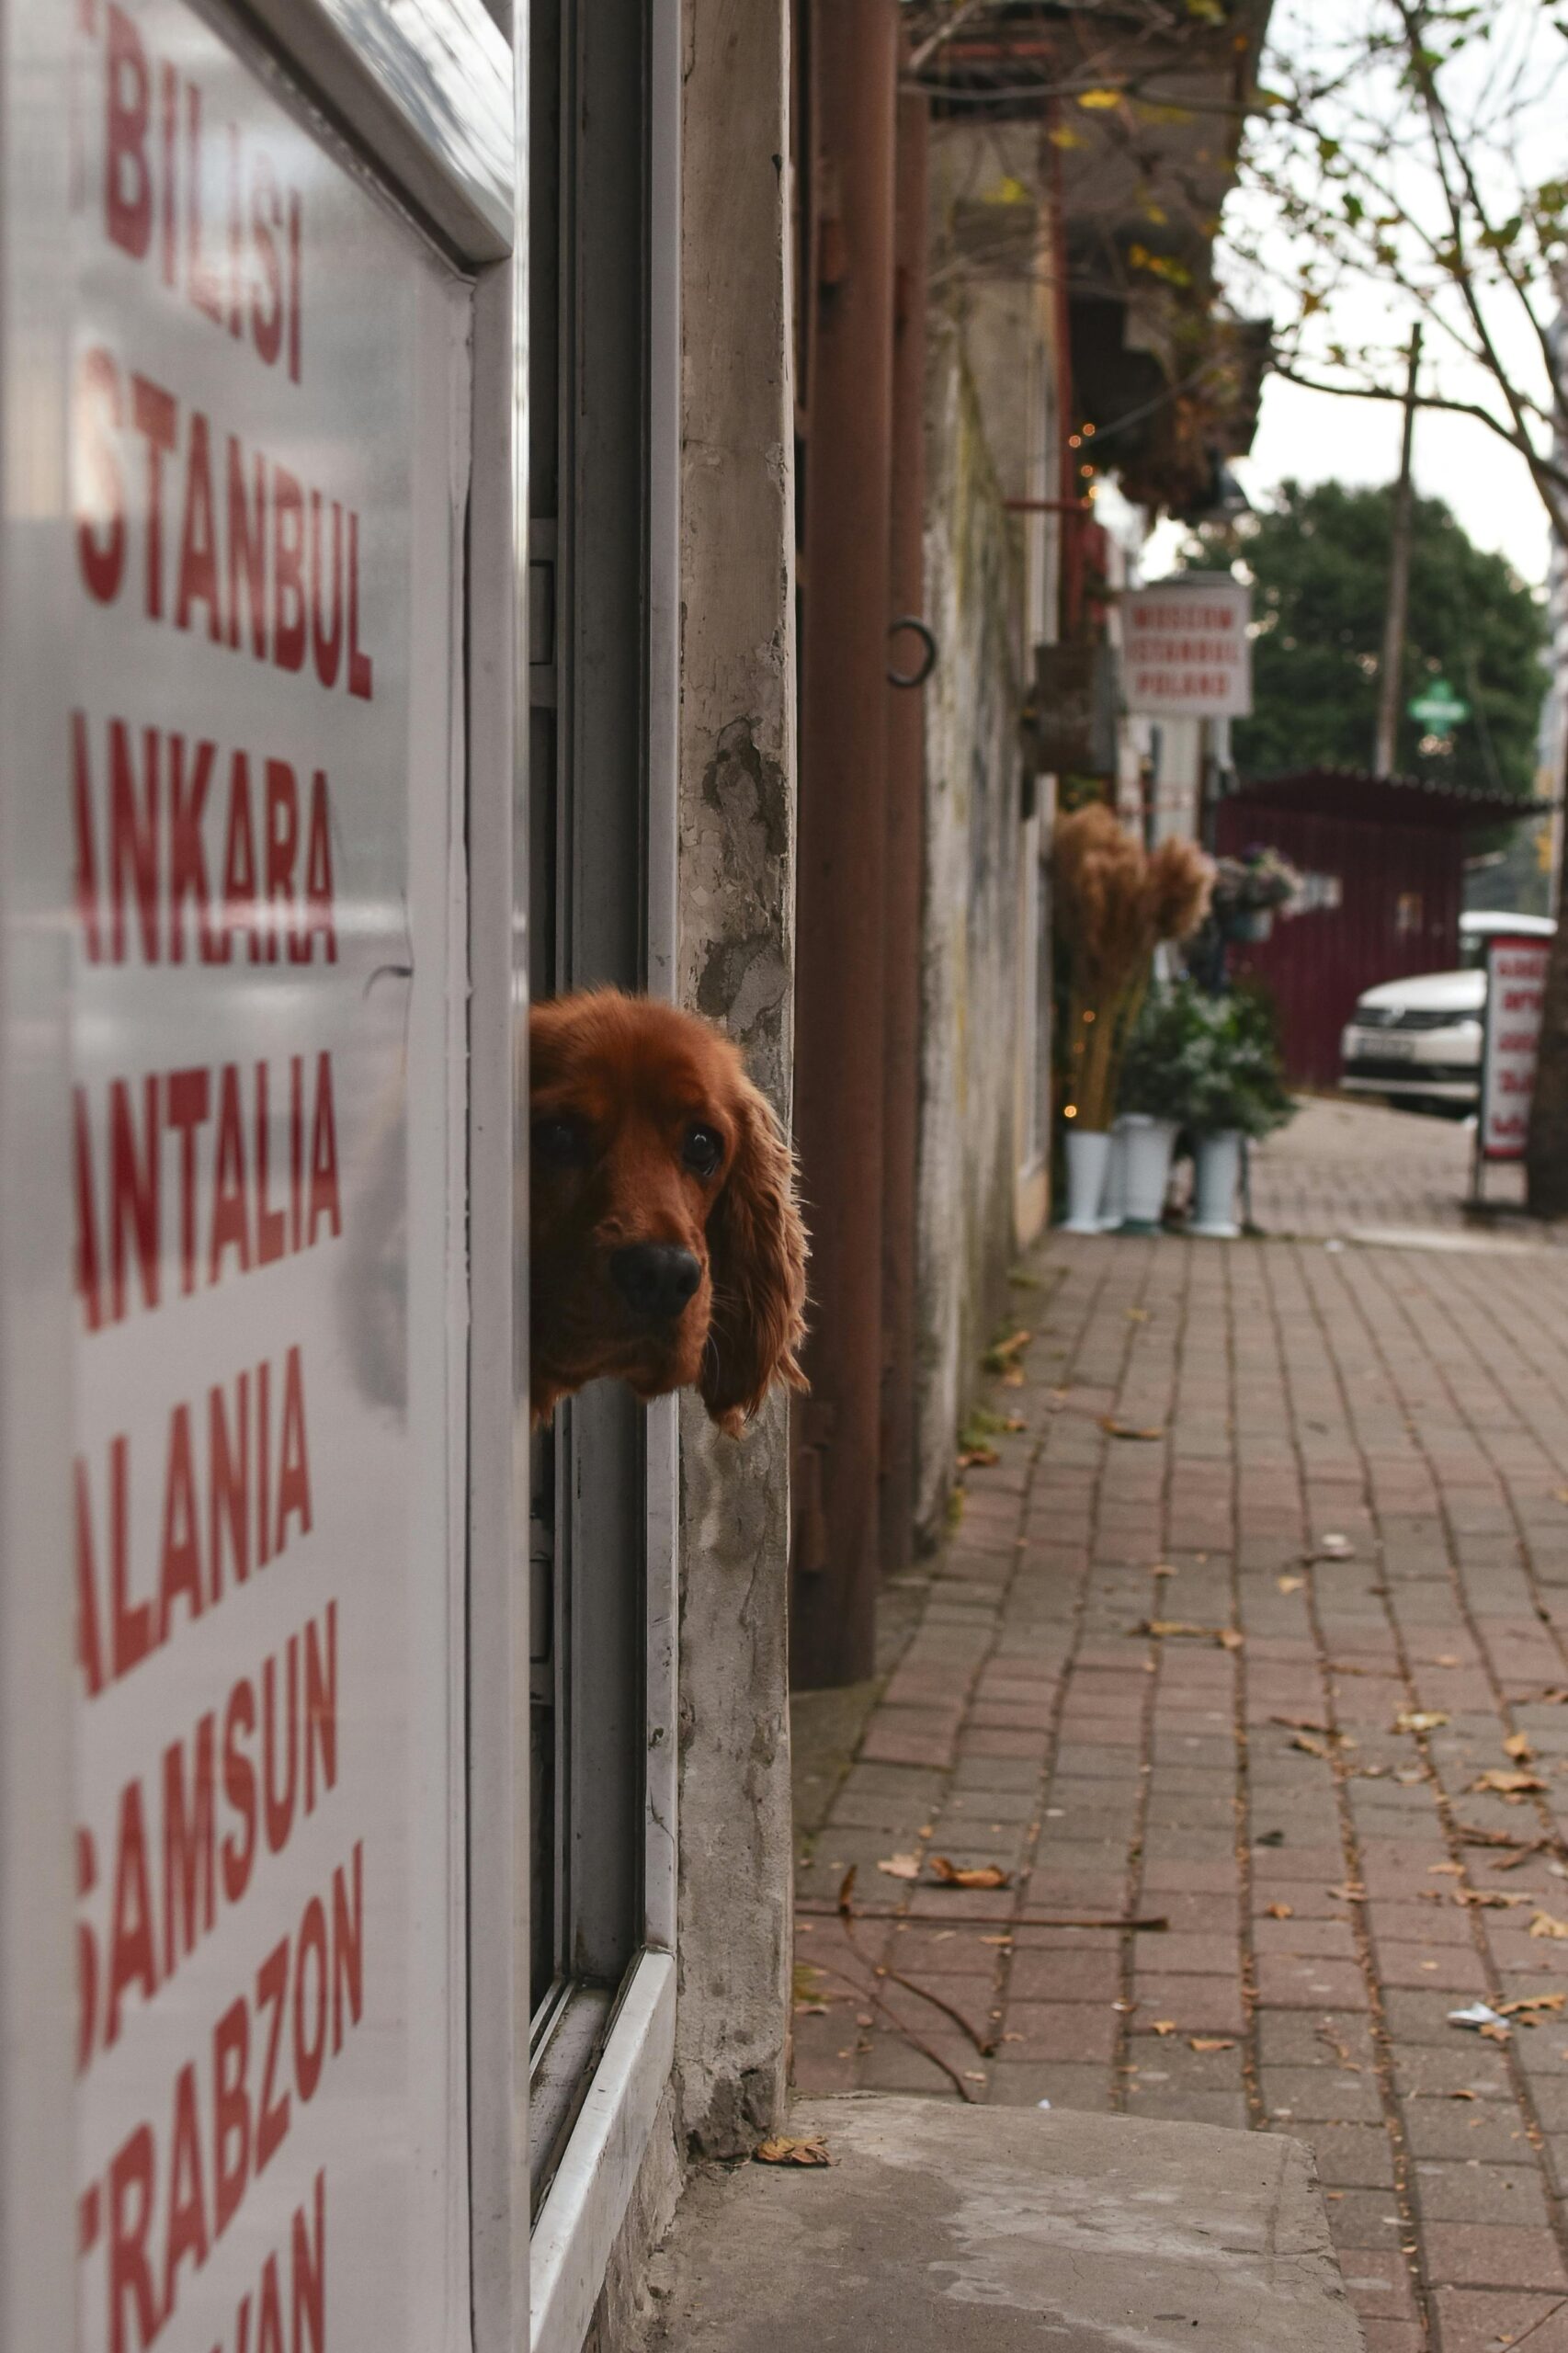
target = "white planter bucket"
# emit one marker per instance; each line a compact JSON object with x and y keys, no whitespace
{"x":1088,"y":1149}
{"x":1113,"y":1202}
{"x":1148,"y":1149}
{"x":1217,"y":1168}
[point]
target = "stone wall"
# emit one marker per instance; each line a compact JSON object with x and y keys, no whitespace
{"x":971,"y":947}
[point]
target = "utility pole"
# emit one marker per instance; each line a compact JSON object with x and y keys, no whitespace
{"x":1390,"y":675}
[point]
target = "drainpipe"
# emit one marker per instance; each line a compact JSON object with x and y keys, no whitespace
{"x":840,"y":988}
{"x":905,"y":841}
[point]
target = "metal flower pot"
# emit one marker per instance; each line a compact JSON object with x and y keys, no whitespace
{"x":1216,"y":1172}
{"x":1113,"y":1202}
{"x":1087,"y":1150}
{"x":1148,"y":1148}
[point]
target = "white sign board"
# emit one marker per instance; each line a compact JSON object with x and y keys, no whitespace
{"x":254,"y":722}
{"x":1516,"y":993}
{"x":1185,"y":649}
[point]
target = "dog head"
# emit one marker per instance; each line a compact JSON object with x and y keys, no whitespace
{"x":666,"y":1248}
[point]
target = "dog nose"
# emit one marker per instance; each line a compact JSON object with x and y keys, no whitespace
{"x":656,"y":1278}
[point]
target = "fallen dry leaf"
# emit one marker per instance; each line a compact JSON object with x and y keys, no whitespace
{"x":1137,"y":1315}
{"x":782,"y":2151}
{"x":996,"y":1940}
{"x":978,"y":1457}
{"x":1517,"y":1747}
{"x":1281,"y":1911}
{"x":1449,"y":1870}
{"x":1351,"y":1890}
{"x":1496,"y":2033}
{"x":1164,"y":2026}
{"x":1290,"y":1584}
{"x":1311,"y":1745}
{"x":1543,"y":1925}
{"x":900,"y":1866}
{"x":1487,"y":1899}
{"x":1162,"y":1569}
{"x":1114,"y":1429}
{"x":1301,"y":1724}
{"x":1512,"y":1786}
{"x":1014,"y":1423}
{"x":1419,"y":1719}
{"x":974,"y":1875}
{"x":1229,"y":1638}
{"x":1461,"y":2095}
{"x":1531,"y":2002}
{"x":1210,"y":2042}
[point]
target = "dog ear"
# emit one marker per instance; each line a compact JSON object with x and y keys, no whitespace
{"x":756,"y":1248}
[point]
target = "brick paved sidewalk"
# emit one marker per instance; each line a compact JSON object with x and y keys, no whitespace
{"x":1324,"y":1908}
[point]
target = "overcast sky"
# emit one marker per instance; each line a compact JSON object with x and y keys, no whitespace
{"x":1316,"y":437}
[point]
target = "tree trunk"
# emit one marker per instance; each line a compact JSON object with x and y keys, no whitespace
{"x":1546,"y":1157}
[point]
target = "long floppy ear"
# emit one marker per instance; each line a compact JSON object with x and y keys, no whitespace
{"x":756,"y":1247}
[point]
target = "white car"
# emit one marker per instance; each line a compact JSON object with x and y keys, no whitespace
{"x":1417,"y":1042}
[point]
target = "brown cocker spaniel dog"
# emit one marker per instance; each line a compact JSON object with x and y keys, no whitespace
{"x":667,"y":1247}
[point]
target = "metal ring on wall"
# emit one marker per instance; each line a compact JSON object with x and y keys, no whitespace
{"x":929,"y":657}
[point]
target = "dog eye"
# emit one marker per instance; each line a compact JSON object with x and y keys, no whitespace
{"x":703,"y":1149}
{"x":561,"y":1143}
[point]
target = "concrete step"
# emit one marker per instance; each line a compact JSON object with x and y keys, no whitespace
{"x":942,"y":2226}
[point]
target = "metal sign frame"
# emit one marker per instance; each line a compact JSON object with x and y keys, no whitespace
{"x":1485,"y":1157}
{"x":434,"y":97}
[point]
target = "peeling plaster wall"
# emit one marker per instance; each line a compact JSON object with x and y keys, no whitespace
{"x":735,"y":964}
{"x":970,"y":944}
{"x":737,"y":801}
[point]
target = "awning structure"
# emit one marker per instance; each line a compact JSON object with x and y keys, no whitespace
{"x":1145,"y":113}
{"x":1359,"y":796}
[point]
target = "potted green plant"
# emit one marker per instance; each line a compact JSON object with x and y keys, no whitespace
{"x":1162,"y":1073}
{"x":1250,"y":890}
{"x":1239,"y":1091}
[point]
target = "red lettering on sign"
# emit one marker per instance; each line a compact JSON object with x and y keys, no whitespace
{"x":100,"y":496}
{"x":207,"y":1491}
{"x":247,"y":566}
{"x":221,"y":1142}
{"x":170,"y":2197}
{"x":128,"y":180}
{"x":245,"y":275}
{"x":182,"y":1843}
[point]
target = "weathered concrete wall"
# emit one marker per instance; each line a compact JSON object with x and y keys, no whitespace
{"x":970,"y":947}
{"x":737,"y":958}
{"x":736,"y":905}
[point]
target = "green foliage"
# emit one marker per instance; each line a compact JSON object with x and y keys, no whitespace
{"x":1210,"y":1062}
{"x":1320,"y":558}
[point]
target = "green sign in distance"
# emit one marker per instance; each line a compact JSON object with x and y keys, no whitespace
{"x":1438,"y":708}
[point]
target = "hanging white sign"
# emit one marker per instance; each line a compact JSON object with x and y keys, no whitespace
{"x":1185,"y":649}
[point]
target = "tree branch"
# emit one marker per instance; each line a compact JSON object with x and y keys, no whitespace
{"x":1554,"y":474}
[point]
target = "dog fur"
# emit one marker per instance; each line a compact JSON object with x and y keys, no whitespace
{"x":630,"y":1101}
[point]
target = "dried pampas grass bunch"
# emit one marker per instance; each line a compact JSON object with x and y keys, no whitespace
{"x":1114,"y":903}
